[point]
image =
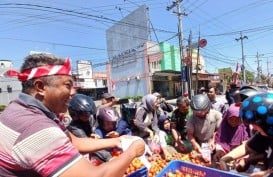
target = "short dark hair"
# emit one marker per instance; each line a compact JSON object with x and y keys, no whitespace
{"x":180,"y":100}
{"x":215,"y":88}
{"x":36,"y":60}
{"x":107,"y":96}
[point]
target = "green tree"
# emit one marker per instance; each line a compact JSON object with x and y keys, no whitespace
{"x":249,"y":76}
{"x":2,"y":107}
{"x":264,"y":79}
{"x":226,"y":74}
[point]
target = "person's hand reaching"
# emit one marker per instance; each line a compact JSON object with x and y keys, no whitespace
{"x":138,"y":146}
{"x":112,"y":134}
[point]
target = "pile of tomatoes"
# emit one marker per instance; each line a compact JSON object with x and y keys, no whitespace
{"x":158,"y":163}
{"x":134,"y":166}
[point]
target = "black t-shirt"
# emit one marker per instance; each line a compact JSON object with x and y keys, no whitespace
{"x":262,"y":144}
{"x":80,"y":129}
{"x":259,"y":143}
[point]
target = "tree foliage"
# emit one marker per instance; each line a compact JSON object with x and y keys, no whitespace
{"x":249,"y":76}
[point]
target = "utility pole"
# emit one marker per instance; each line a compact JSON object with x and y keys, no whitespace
{"x":243,"y":56}
{"x":180,"y":35}
{"x":197,"y":64}
{"x":268,"y":74}
{"x":189,"y":55}
{"x":259,"y":69}
{"x":267,"y":66}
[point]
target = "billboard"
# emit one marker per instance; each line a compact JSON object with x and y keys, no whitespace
{"x":131,"y":31}
{"x":126,"y":47}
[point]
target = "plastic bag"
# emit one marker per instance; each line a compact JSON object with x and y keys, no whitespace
{"x":126,"y":142}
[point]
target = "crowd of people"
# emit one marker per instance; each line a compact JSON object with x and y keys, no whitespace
{"x":35,"y":142}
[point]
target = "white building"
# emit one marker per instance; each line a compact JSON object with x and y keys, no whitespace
{"x":9,"y":87}
{"x":89,"y":82}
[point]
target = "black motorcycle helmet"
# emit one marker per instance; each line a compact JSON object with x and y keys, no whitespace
{"x":258,"y":110}
{"x":200,"y":102}
{"x":79,"y":104}
{"x":247,"y":91}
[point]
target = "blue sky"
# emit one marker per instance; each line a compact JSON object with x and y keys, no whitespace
{"x":49,"y":26}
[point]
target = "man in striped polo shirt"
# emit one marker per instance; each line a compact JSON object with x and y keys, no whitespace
{"x":34,"y":143}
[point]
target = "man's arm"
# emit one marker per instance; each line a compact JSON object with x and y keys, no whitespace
{"x":190,"y":135}
{"x":193,"y":142}
{"x":236,"y":153}
{"x":85,"y":145}
{"x":212,"y":143}
{"x":111,"y":103}
{"x":115,"y":167}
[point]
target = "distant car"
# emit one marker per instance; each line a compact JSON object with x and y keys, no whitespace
{"x":264,"y":87}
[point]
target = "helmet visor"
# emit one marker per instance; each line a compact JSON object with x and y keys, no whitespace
{"x":201,"y":113}
{"x":84,"y":116}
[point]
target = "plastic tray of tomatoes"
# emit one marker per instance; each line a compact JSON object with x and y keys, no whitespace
{"x":142,"y":172}
{"x":184,"y":169}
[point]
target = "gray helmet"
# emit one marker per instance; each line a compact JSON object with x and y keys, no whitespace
{"x":247,"y":91}
{"x":81,"y":104}
{"x":200,"y":102}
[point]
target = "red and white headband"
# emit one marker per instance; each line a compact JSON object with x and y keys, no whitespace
{"x":46,"y":70}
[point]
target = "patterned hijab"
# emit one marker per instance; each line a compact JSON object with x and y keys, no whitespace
{"x":227,"y":136}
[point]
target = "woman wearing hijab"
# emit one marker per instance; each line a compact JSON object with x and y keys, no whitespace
{"x":231,"y":133}
{"x":146,"y":118}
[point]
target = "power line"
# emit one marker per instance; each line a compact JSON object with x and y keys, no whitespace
{"x":138,"y":52}
{"x":72,"y":13}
